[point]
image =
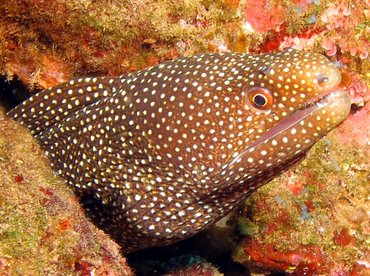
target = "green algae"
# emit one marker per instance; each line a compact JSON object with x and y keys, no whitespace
{"x":335,"y":180}
{"x":101,"y":37}
{"x":43,"y":230}
{"x":113,"y":26}
{"x":247,"y":227}
{"x":47,"y":43}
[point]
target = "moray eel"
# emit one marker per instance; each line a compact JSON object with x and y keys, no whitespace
{"x":161,"y":154}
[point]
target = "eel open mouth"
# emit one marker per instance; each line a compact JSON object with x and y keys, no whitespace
{"x":336,"y":97}
{"x":335,"y":100}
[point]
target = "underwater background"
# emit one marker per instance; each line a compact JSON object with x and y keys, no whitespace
{"x":313,"y":220}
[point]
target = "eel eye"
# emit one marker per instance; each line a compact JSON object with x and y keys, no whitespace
{"x":260,"y":98}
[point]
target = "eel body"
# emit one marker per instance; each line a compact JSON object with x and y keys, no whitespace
{"x":160,"y":154}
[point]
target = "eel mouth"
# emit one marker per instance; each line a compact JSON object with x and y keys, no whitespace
{"x":337,"y":99}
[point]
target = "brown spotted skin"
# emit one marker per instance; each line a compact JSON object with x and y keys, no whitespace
{"x":161,"y":154}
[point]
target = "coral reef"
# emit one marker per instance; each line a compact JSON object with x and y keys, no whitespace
{"x":43,"y":230}
{"x":315,"y":218}
{"x":44,"y":44}
{"x":47,"y":43}
{"x":205,"y":269}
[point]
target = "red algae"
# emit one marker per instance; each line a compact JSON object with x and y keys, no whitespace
{"x":358,"y":125}
{"x":355,"y":86}
{"x":65,"y":224}
{"x":264,"y":15}
{"x":343,"y":237}
{"x":19,"y":178}
{"x":43,"y":70}
{"x":266,"y":256}
{"x":46,"y":43}
{"x":313,"y":219}
{"x":204,"y":269}
{"x":84,"y":268}
{"x":296,"y":187}
{"x":320,"y":228}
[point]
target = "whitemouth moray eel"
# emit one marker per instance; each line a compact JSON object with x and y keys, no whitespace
{"x":167,"y":151}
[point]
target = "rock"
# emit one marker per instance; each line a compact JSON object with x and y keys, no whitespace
{"x":43,"y":230}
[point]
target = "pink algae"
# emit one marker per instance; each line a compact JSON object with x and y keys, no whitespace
{"x":264,"y":15}
{"x":356,"y":128}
